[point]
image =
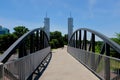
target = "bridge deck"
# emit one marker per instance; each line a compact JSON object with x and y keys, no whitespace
{"x":64,"y":67}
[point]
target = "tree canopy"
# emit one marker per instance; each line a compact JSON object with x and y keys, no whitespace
{"x":8,"y":39}
{"x":56,"y":39}
{"x":20,"y":30}
{"x":117,"y":39}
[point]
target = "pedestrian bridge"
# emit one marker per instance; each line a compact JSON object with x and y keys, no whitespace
{"x":64,"y":67}
{"x":30,"y":58}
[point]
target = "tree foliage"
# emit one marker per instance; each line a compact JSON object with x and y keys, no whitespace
{"x":6,"y":40}
{"x":65,"y":39}
{"x":20,"y":30}
{"x":56,"y":39}
{"x":117,"y":39}
{"x":98,"y":46}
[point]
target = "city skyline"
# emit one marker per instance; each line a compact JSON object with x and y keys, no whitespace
{"x":102,"y":16}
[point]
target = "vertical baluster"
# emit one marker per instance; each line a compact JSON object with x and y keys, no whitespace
{"x":80,"y":39}
{"x":25,"y":48}
{"x":85,"y":40}
{"x":22,"y":50}
{"x":37,"y":40}
{"x":93,"y":42}
{"x":107,"y":62}
{"x":72,"y":39}
{"x":31,"y":43}
{"x":76,"y":39}
{"x":93,"y":50}
{"x":41,"y":40}
{"x":85,"y":45}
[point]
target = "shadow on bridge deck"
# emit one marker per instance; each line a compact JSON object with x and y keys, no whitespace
{"x":64,"y":67}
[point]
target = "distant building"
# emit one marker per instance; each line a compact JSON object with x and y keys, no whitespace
{"x":70,"y":27}
{"x":47,"y":26}
{"x":4,"y":30}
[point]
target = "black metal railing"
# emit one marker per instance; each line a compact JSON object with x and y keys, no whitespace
{"x":83,"y":45}
{"x":25,"y":55}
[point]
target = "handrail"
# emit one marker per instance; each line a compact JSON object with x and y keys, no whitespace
{"x":15,"y":45}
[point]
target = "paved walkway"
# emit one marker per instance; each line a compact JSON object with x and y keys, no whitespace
{"x":64,"y":67}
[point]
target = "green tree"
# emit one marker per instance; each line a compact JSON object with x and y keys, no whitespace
{"x":56,"y":39}
{"x":54,"y":43}
{"x":98,"y":46}
{"x":65,"y":39}
{"x":6,"y":41}
{"x":20,"y":30}
{"x":117,"y":39}
{"x":55,"y":35}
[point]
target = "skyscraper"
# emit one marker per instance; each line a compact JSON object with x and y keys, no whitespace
{"x":70,"y":27}
{"x":47,"y":26}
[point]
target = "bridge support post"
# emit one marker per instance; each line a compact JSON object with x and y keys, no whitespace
{"x":73,"y":41}
{"x":41,"y":40}
{"x":107,"y":62}
{"x":85,"y":40}
{"x":93,"y":50}
{"x":22,"y":50}
{"x":37,"y":40}
{"x":76,"y":40}
{"x":85,"y":45}
{"x":31,"y":43}
{"x":80,"y":39}
{"x":1,"y":71}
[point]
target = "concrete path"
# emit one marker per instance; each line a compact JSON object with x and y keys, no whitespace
{"x":64,"y":67}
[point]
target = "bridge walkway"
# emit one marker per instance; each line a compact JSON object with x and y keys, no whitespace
{"x":64,"y":67}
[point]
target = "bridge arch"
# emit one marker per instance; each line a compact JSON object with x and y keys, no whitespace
{"x":84,"y":51}
{"x":36,"y":36}
{"x":33,"y":52}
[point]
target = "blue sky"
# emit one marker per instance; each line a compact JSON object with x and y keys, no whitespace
{"x":100,"y":15}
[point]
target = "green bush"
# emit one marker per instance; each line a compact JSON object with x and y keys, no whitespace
{"x":56,"y":39}
{"x":52,"y":44}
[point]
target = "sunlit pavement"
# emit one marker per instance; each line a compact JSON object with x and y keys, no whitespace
{"x":64,"y":67}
